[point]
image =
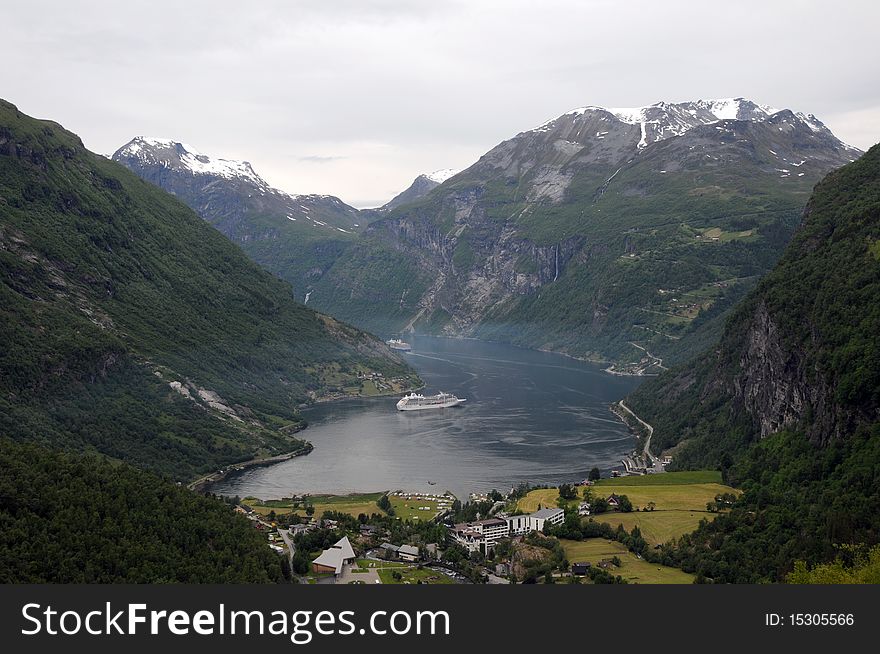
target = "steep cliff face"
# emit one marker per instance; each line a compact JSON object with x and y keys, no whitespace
{"x":596,"y":230}
{"x":802,"y":351}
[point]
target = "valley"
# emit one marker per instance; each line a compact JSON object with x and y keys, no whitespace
{"x":139,"y":336}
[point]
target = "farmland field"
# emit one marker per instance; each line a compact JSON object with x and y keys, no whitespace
{"x":633,"y":569}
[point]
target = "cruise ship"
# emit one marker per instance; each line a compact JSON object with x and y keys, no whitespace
{"x":397,"y":344}
{"x":413,"y":401}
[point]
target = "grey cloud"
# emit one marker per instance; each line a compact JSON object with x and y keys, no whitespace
{"x":394,"y":88}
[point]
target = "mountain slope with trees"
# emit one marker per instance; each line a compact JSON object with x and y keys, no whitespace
{"x":131,"y":328}
{"x":788,"y":402}
{"x":71,"y":519}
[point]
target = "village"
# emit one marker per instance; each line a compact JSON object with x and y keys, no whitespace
{"x":590,"y":531}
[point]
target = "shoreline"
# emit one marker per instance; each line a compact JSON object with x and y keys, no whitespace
{"x":594,"y":361}
{"x":204,"y":483}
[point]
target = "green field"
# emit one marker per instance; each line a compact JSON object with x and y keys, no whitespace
{"x":353,"y":504}
{"x":366,"y":564}
{"x":679,"y":501}
{"x":682,"y":496}
{"x":657,"y":527}
{"x":665,"y":479}
{"x":633,"y":569}
{"x":406,"y":507}
{"x":414,"y":575}
{"x":543,"y":497}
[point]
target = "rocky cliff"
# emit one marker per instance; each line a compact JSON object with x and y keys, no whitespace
{"x":802,"y":351}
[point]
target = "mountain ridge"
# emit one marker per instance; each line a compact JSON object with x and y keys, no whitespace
{"x":565,"y":213}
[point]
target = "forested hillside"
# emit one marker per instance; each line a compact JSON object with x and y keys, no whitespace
{"x":788,"y":403}
{"x":70,"y":519}
{"x":130,"y":327}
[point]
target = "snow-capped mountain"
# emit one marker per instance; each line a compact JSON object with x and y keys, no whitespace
{"x":293,"y":235}
{"x":180,"y":156}
{"x":421,"y":186}
{"x":663,"y":120}
{"x":219,"y":189}
{"x":442,"y":175}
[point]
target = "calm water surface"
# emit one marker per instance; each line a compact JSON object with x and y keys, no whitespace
{"x":529,"y":416}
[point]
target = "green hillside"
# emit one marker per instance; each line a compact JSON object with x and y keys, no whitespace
{"x":788,"y":403}
{"x":112,"y":291}
{"x":69,"y":519}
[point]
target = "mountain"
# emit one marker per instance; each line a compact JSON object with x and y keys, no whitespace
{"x":788,"y":402}
{"x":131,"y":328}
{"x":601,"y":233}
{"x":421,"y":186}
{"x":295,"y":236}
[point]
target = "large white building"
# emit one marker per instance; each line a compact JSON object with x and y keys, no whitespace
{"x":523,"y":524}
{"x":482,"y":535}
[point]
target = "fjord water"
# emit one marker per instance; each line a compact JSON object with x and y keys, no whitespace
{"x":529,"y":416}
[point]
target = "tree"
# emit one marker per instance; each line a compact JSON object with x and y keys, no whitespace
{"x":495,"y":496}
{"x":599,"y":505}
{"x":567,"y":492}
{"x":385,"y":504}
{"x":310,"y":510}
{"x":595,"y":474}
{"x":624,"y":504}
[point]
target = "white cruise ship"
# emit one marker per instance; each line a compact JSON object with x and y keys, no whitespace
{"x":397,"y":344}
{"x":413,"y":401}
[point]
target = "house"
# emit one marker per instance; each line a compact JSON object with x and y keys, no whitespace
{"x":613,"y":501}
{"x":389,"y":550}
{"x":584,"y":508}
{"x":331,"y":560}
{"x":408,"y":552}
{"x":480,"y":535}
{"x":300,"y":529}
{"x":468,"y":538}
{"x":580,"y":569}
{"x":368,"y":530}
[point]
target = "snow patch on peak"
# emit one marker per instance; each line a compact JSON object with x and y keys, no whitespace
{"x":442,"y":175}
{"x":663,"y":120}
{"x":171,"y":153}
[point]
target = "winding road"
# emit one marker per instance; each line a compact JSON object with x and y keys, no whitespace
{"x":650,"y":429}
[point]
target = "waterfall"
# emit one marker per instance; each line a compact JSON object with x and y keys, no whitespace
{"x":556,"y":276}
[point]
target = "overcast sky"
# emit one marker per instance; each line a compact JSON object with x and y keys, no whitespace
{"x":356,"y":97}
